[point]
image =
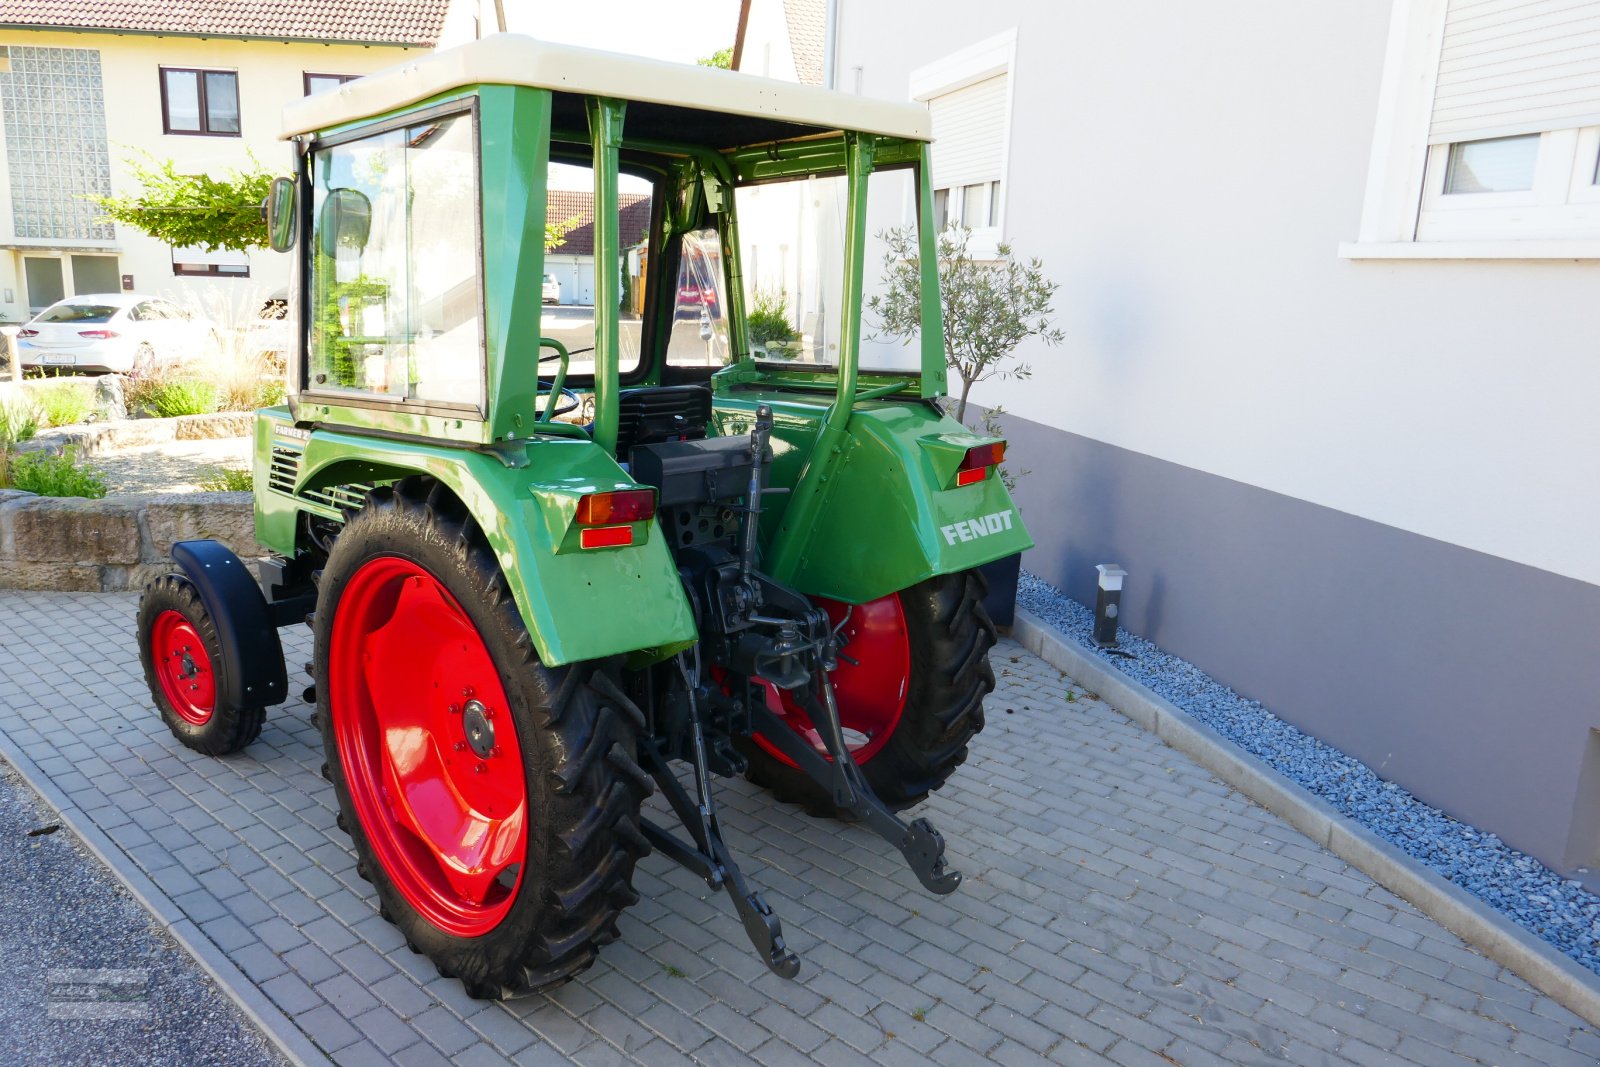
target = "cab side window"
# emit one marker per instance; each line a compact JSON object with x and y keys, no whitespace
{"x":395,"y":266}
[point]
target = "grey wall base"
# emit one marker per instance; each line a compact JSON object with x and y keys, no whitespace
{"x":1471,"y":680}
{"x":1496,"y":936}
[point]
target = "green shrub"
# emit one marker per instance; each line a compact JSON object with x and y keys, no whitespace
{"x":767,"y":321}
{"x":271,"y":393}
{"x":62,"y":404}
{"x":180,"y":396}
{"x":228,"y":480}
{"x":18,"y":422}
{"x":49,"y":474}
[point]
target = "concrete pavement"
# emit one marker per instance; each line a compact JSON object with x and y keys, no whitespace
{"x":1121,"y":904}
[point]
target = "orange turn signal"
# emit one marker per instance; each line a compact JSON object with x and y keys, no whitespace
{"x":624,"y":505}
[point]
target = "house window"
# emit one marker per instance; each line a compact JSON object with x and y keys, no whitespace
{"x":1488,"y":138}
{"x":318,"y":83}
{"x":975,"y":206}
{"x":203,"y":102}
{"x":969,"y":100}
{"x":195,"y":261}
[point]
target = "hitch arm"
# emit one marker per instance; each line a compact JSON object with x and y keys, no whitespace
{"x":711,"y":860}
{"x":920,"y":844}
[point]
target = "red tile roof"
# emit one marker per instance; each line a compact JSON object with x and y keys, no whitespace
{"x":397,"y":22}
{"x":561,"y":205}
{"x":808,"y":28}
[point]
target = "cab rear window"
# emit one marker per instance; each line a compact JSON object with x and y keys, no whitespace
{"x":79,"y":313}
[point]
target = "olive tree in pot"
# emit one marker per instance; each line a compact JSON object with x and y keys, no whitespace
{"x":991,"y":306}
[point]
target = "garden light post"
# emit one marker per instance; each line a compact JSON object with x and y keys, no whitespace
{"x":1107,"y":604}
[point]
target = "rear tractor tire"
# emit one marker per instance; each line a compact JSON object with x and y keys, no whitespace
{"x":909,"y":704}
{"x":182,"y":657}
{"x":493,"y":801}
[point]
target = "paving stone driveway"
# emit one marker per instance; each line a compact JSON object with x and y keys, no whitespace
{"x":1120,"y":904}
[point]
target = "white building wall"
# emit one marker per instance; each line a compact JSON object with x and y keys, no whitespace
{"x":270,"y":76}
{"x":1187,"y":172}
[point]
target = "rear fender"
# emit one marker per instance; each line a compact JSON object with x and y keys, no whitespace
{"x":578,"y":604}
{"x":892,"y":514}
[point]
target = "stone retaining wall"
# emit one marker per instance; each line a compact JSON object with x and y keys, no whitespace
{"x":114,"y":544}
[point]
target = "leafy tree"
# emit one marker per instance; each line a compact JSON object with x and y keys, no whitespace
{"x":195,"y":209}
{"x":555,"y":233}
{"x":990,"y":306}
{"x":722,"y":58}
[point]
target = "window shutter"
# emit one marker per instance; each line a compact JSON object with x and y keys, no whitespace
{"x":1517,"y":66}
{"x":196,"y":256}
{"x":969,"y":133}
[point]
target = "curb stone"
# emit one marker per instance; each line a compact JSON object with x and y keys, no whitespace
{"x":289,"y":1040}
{"x":1498,"y":938}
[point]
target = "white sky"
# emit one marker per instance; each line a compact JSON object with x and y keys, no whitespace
{"x":679,"y":30}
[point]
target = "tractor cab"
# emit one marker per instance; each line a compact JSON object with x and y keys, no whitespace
{"x":700,"y":510}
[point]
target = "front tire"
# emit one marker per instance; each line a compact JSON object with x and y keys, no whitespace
{"x":493,"y":802}
{"x":911,"y":706}
{"x":182,"y":657}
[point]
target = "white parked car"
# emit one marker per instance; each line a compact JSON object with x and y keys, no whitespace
{"x":552,"y":289}
{"x":111,"y":332}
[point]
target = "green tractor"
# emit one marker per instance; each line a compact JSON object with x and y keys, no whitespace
{"x":550,"y":554}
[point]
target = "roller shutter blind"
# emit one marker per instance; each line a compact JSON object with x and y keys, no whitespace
{"x":1517,"y":66}
{"x":969,"y":133}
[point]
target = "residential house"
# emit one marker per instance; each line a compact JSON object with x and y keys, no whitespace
{"x":572,"y":261}
{"x":88,"y":84}
{"x":1330,"y":379}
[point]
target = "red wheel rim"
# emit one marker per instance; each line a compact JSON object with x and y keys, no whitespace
{"x":871,"y":692}
{"x":428,"y":746}
{"x":183,"y":668}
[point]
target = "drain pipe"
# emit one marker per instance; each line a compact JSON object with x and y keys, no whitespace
{"x":830,"y":46}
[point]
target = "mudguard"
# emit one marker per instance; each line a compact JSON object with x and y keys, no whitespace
{"x":891,"y":513}
{"x":252,"y":670}
{"x":577,"y":604}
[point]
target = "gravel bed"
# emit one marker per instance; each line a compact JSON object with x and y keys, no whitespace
{"x":1558,"y":910}
{"x":86,"y":976}
{"x":170,"y":467}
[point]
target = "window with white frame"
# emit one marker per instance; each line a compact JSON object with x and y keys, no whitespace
{"x":969,"y":100}
{"x":1488,"y":138}
{"x":221,"y":262}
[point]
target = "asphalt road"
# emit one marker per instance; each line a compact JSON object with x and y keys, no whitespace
{"x":86,"y":977}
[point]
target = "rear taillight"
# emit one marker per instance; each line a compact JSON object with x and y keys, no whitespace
{"x":98,"y":335}
{"x":27,"y":333}
{"x":606,"y":537}
{"x":605,"y":513}
{"x":623,"y":505}
{"x":976,"y":463}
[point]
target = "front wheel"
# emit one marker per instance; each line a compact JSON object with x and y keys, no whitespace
{"x":909,"y":703}
{"x":181,"y":654}
{"x":493,"y":801}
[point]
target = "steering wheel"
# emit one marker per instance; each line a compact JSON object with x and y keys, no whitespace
{"x":561,"y":400}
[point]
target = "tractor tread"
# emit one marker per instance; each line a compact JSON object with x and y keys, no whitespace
{"x":229,"y":729}
{"x":951,"y":636}
{"x":583,"y":782}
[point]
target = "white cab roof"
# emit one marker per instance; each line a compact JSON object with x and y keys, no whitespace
{"x":515,"y":59}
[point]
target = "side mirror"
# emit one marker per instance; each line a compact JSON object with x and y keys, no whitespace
{"x":345,"y":221}
{"x":278,"y":212}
